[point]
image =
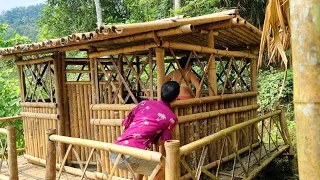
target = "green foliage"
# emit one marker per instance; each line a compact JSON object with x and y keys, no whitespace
{"x":22,"y":20}
{"x":199,"y":7}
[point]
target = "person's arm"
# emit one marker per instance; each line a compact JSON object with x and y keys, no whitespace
{"x":196,"y":83}
{"x":168,"y":77}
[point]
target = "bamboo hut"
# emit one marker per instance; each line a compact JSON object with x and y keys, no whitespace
{"x":124,"y":64}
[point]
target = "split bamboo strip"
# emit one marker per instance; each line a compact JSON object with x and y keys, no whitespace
{"x":35,"y":61}
{"x":120,"y":107}
{"x":202,"y":49}
{"x":204,"y":115}
{"x":211,"y":99}
{"x":38,"y":105}
{"x":106,"y":122}
{"x":134,"y":152}
{"x":129,"y":49}
{"x":186,"y":149}
{"x":39,"y":115}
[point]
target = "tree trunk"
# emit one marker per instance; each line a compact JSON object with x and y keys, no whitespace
{"x":99,"y":12}
{"x":176,"y":4}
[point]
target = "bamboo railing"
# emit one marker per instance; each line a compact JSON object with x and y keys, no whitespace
{"x":273,"y":140}
{"x":95,"y":148}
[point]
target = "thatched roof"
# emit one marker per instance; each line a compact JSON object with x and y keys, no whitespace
{"x":234,"y":33}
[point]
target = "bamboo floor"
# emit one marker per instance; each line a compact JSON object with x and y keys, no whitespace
{"x":249,"y":161}
{"x":32,"y":172}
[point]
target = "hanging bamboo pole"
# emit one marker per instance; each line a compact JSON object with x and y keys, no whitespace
{"x":160,"y":70}
{"x":58,"y":56}
{"x":306,"y":67}
{"x":202,"y":49}
{"x":172,"y":164}
{"x":50,"y":156}
{"x":12,"y":156}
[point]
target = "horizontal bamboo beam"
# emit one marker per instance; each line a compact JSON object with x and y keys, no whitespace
{"x":210,"y":99}
{"x":267,"y":161}
{"x":68,"y":169}
{"x":39,"y":115}
{"x":186,"y":149}
{"x":130,"y":49}
{"x":202,"y":49}
{"x":77,"y":71}
{"x":106,"y":122}
{"x":6,"y":119}
{"x":4,"y":131}
{"x":223,"y":160}
{"x":35,"y":61}
{"x":38,"y":105}
{"x":210,"y":114}
{"x":120,"y":107}
{"x":134,"y":152}
{"x":87,"y":82}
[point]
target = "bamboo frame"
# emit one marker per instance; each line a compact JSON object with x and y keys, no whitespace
{"x":34,"y":61}
{"x":38,"y":104}
{"x":39,"y":115}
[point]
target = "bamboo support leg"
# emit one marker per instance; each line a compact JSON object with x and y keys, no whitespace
{"x":51,"y":156}
{"x":12,"y":155}
{"x":172,"y":160}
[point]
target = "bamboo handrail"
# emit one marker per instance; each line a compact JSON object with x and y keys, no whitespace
{"x":6,"y":119}
{"x":210,"y":114}
{"x":39,"y":115}
{"x":186,"y":149}
{"x":210,"y":99}
{"x":134,"y":152}
{"x":35,"y":61}
{"x":106,"y":122}
{"x":202,"y":49}
{"x":38,"y":104}
{"x":4,"y":131}
{"x":120,"y":107}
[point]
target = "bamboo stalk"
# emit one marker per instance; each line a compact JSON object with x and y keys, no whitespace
{"x":210,"y":114}
{"x":39,"y":115}
{"x":50,"y":156}
{"x":78,"y":71}
{"x":12,"y":155}
{"x":202,"y":49}
{"x":186,"y":149}
{"x":35,"y":61}
{"x":160,"y":70}
{"x":7,"y":119}
{"x":211,"y":99}
{"x":106,"y":122}
{"x":120,"y":107}
{"x":172,"y":160}
{"x":38,"y":105}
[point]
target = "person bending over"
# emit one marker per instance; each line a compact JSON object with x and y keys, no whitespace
{"x":150,"y":122}
{"x":185,"y":91}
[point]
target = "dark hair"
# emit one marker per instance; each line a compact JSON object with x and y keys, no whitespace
{"x":183,"y":62}
{"x":170,"y":91}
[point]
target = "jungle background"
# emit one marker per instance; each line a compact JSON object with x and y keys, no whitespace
{"x":58,"y":18}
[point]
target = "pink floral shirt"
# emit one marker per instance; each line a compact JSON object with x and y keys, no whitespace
{"x":146,"y":123}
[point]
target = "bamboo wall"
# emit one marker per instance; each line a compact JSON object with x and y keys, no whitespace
{"x":36,"y":120}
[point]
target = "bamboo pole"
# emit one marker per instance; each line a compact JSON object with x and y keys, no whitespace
{"x":114,"y":107}
{"x":39,"y":115}
{"x":285,"y":134}
{"x":202,"y":49}
{"x":211,"y":99}
{"x":106,"y":122}
{"x":212,"y":77}
{"x":12,"y":156}
{"x":38,"y":105}
{"x":150,"y":60}
{"x":7,"y":119}
{"x":50,"y":156}
{"x":35,"y":61}
{"x":214,"y":113}
{"x":306,"y":67}
{"x":172,"y":165}
{"x":186,"y":149}
{"x":21,"y":82}
{"x":58,"y":57}
{"x":160,"y":70}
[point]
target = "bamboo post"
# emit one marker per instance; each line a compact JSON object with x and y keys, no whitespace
{"x":59,"y":96}
{"x":286,"y":135}
{"x":21,"y":80}
{"x":212,"y":77}
{"x":50,"y":156}
{"x":306,"y":67}
{"x":172,"y":165}
{"x":160,"y":70}
{"x":138,"y":72}
{"x":12,"y":155}
{"x":95,"y":96}
{"x":151,"y":73}
{"x":120,"y":66}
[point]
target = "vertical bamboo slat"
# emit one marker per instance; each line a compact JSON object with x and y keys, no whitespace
{"x":160,"y":70}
